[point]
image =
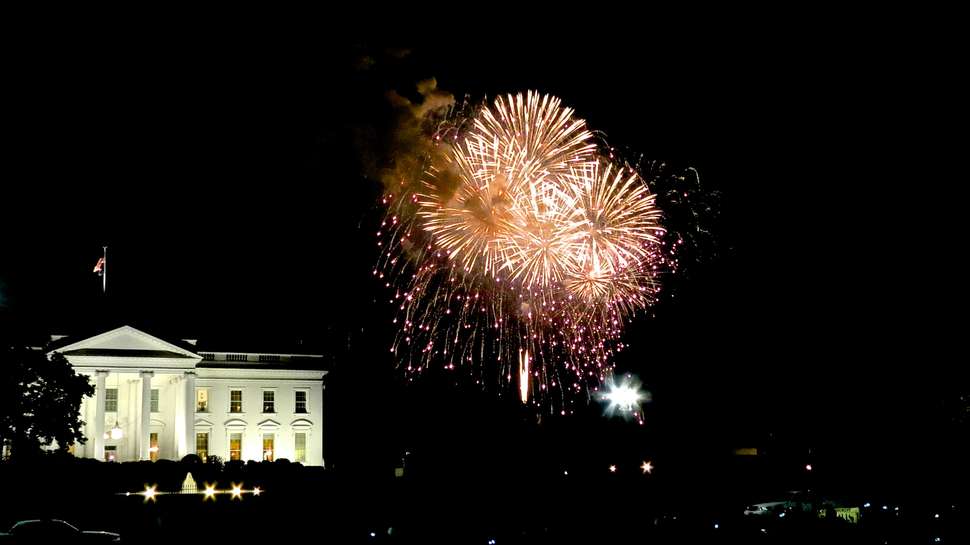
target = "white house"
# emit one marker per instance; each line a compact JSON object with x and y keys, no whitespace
{"x":164,"y":399}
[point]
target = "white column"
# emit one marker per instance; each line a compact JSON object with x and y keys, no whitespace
{"x":189,"y":416}
{"x":146,"y":415}
{"x":178,"y":430}
{"x":100,"y":375}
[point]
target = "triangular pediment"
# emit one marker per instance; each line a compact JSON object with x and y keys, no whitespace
{"x":128,"y":342}
{"x":269,"y":424}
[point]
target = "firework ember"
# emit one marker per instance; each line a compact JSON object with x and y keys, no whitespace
{"x":520,"y":237}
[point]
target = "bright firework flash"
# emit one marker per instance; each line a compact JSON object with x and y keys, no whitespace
{"x":522,"y":241}
{"x":624,"y":398}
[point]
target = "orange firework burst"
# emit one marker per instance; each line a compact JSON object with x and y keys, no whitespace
{"x":520,"y":237}
{"x":496,"y":202}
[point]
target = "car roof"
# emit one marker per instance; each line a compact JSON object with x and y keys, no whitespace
{"x":36,"y":521}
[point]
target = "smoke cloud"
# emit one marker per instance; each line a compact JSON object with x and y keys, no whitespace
{"x":402,"y":152}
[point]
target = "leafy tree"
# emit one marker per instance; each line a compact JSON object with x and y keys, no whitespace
{"x":40,"y":400}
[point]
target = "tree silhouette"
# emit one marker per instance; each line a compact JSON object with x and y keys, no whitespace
{"x":40,"y":399}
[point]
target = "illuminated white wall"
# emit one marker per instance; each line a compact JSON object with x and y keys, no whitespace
{"x":252,"y":422}
{"x":172,"y":376}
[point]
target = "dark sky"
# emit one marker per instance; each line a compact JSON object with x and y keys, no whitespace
{"x":224,"y":176}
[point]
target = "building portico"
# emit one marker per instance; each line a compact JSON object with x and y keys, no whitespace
{"x":153,"y":409}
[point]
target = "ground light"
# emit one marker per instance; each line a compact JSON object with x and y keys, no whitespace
{"x":209,"y":492}
{"x":150,"y":493}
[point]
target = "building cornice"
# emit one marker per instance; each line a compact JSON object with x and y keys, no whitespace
{"x":246,"y":374}
{"x":129,"y":364}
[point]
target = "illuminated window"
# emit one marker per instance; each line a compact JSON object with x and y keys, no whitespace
{"x":202,"y":445}
{"x":153,"y":446}
{"x":154,"y":400}
{"x":268,"y":447}
{"x":236,"y":357}
{"x":111,"y":400}
{"x":301,"y":401}
{"x":235,"y":401}
{"x":110,"y":453}
{"x":265,"y":358}
{"x":235,"y":446}
{"x":202,"y":400}
{"x":269,"y":404}
{"x":300,"y":447}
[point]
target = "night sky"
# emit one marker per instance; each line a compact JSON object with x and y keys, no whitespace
{"x":227,"y":180}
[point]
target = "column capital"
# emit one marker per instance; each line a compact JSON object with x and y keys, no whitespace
{"x":189,"y":373}
{"x":144,"y":373}
{"x":101,"y":372}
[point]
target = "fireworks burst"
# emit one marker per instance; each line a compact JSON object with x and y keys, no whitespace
{"x":521,"y":238}
{"x":624,"y":398}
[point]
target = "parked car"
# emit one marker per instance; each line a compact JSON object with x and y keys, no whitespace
{"x":767,"y":508}
{"x":55,"y":530}
{"x":791,"y":503}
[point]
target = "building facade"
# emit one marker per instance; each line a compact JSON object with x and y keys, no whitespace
{"x":160,"y":399}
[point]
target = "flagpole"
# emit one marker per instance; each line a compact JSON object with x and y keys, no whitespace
{"x":104,"y":275}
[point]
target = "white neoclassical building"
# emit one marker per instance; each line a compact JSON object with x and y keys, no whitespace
{"x":164,"y":399}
